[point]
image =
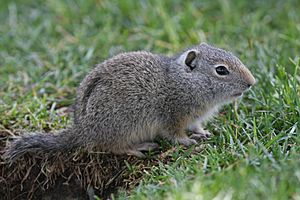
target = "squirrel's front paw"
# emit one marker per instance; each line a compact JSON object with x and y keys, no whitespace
{"x":200,"y":134}
{"x":186,"y":141}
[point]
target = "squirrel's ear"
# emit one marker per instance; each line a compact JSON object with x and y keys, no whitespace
{"x":188,"y":58}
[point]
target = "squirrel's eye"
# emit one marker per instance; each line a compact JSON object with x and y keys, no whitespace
{"x":222,"y":70}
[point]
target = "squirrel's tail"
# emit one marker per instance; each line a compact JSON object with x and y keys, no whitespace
{"x":41,"y":142}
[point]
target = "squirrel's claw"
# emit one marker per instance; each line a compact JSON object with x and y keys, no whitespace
{"x":197,"y":136}
{"x":198,"y":133}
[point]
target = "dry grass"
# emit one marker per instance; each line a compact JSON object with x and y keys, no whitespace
{"x":77,"y":174}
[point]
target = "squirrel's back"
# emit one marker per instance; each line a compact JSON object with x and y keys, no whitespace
{"x":125,"y":76}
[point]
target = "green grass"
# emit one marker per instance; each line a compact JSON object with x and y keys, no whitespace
{"x":46,"y":48}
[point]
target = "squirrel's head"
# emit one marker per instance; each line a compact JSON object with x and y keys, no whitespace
{"x":217,"y":71}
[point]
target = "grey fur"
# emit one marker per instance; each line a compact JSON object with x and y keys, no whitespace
{"x":131,"y":98}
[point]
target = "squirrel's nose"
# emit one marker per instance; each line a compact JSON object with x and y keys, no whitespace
{"x":249,"y":78}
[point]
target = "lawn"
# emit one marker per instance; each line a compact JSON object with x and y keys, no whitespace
{"x":47,"y":47}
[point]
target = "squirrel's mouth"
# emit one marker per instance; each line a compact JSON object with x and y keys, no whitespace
{"x":238,"y":94}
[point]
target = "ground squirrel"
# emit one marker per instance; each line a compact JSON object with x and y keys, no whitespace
{"x":127,"y":101}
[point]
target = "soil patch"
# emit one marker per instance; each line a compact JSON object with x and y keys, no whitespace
{"x":73,"y":175}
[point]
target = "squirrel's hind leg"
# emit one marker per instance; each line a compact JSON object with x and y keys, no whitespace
{"x":137,"y":149}
{"x":147,"y":146}
{"x":134,"y":152}
{"x":185,"y":141}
